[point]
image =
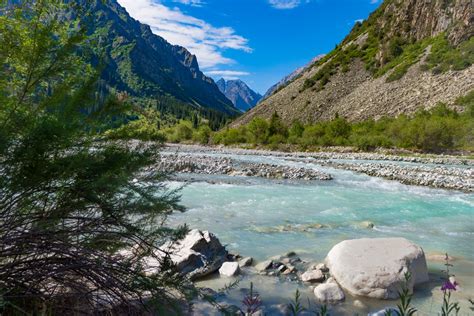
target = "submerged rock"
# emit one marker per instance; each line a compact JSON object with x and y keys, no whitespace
{"x":329,"y":293}
{"x":198,"y":254}
{"x":366,"y":225}
{"x":376,"y":267}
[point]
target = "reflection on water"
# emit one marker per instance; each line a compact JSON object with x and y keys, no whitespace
{"x":263,"y":218}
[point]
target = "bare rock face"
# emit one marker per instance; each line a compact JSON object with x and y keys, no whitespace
{"x":376,"y":267}
{"x":198,"y":254}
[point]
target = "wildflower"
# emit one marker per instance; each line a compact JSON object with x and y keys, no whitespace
{"x":448,"y":286}
{"x":252,"y":301}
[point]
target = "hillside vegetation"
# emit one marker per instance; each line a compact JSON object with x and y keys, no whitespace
{"x":437,"y":130}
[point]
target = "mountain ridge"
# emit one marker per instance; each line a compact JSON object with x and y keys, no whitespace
{"x":406,"y":56}
{"x":145,"y":65}
{"x":239,"y":93}
{"x":288,"y":78}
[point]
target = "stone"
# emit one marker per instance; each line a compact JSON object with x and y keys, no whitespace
{"x":200,"y":253}
{"x":376,"y":267}
{"x":312,"y":276}
{"x":264,"y":265}
{"x":229,"y":269}
{"x":321,"y":266}
{"x":245,"y":262}
{"x":329,"y":293}
{"x":366,"y":225}
{"x":359,"y":304}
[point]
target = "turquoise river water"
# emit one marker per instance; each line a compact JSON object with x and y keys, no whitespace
{"x":263,"y":218}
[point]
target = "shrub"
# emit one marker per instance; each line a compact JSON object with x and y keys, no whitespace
{"x":277,"y":127}
{"x":202,"y":135}
{"x":258,"y":130}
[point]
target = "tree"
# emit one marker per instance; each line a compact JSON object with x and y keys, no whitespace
{"x":258,"y":130}
{"x":70,"y":207}
{"x":277,"y":127}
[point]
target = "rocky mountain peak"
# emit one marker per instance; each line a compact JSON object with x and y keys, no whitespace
{"x":237,"y":91}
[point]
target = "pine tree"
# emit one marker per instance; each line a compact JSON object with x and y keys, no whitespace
{"x":72,"y":206}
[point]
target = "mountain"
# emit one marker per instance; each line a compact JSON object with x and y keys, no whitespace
{"x":286,"y":80}
{"x":239,"y":93}
{"x":408,"y":55}
{"x":147,"y":67}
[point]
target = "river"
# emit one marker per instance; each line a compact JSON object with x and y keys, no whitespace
{"x":263,"y":218}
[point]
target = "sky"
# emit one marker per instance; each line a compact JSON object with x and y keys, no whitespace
{"x":257,"y":41}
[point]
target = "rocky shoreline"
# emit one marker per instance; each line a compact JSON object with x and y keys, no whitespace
{"x":435,"y":177}
{"x":323,"y":155}
{"x":450,"y":173}
{"x":348,"y":270}
{"x":182,"y":163}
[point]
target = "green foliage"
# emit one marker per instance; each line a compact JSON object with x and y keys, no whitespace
{"x":202,"y":135}
{"x":183,"y":131}
{"x":444,"y":57}
{"x":146,"y":128}
{"x":230,"y":136}
{"x":258,"y":130}
{"x":69,"y":204}
{"x":295,"y":307}
{"x":277,"y":127}
{"x":437,"y":130}
{"x":295,"y":132}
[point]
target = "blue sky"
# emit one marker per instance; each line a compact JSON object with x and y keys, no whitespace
{"x":258,"y":41}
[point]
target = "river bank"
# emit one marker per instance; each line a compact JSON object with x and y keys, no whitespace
{"x":443,"y":172}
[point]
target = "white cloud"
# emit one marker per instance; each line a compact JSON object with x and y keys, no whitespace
{"x":227,"y":74}
{"x":204,"y":40}
{"x":374,"y":1}
{"x":194,"y":3}
{"x":284,"y":4}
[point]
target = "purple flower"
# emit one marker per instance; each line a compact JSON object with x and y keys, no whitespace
{"x":448,"y":286}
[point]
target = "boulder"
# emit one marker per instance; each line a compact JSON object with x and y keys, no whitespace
{"x":376,"y":267}
{"x":245,"y":262}
{"x":198,"y":254}
{"x":329,"y":293}
{"x":312,"y":276}
{"x":264,"y":265}
{"x":229,"y":269}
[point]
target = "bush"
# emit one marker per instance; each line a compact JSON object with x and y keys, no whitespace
{"x":277,"y":127}
{"x":258,"y":131}
{"x":202,"y":135}
{"x":144,"y":128}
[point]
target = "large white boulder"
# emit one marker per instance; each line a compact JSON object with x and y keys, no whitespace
{"x":229,"y":269}
{"x":376,"y":267}
{"x":198,"y":254}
